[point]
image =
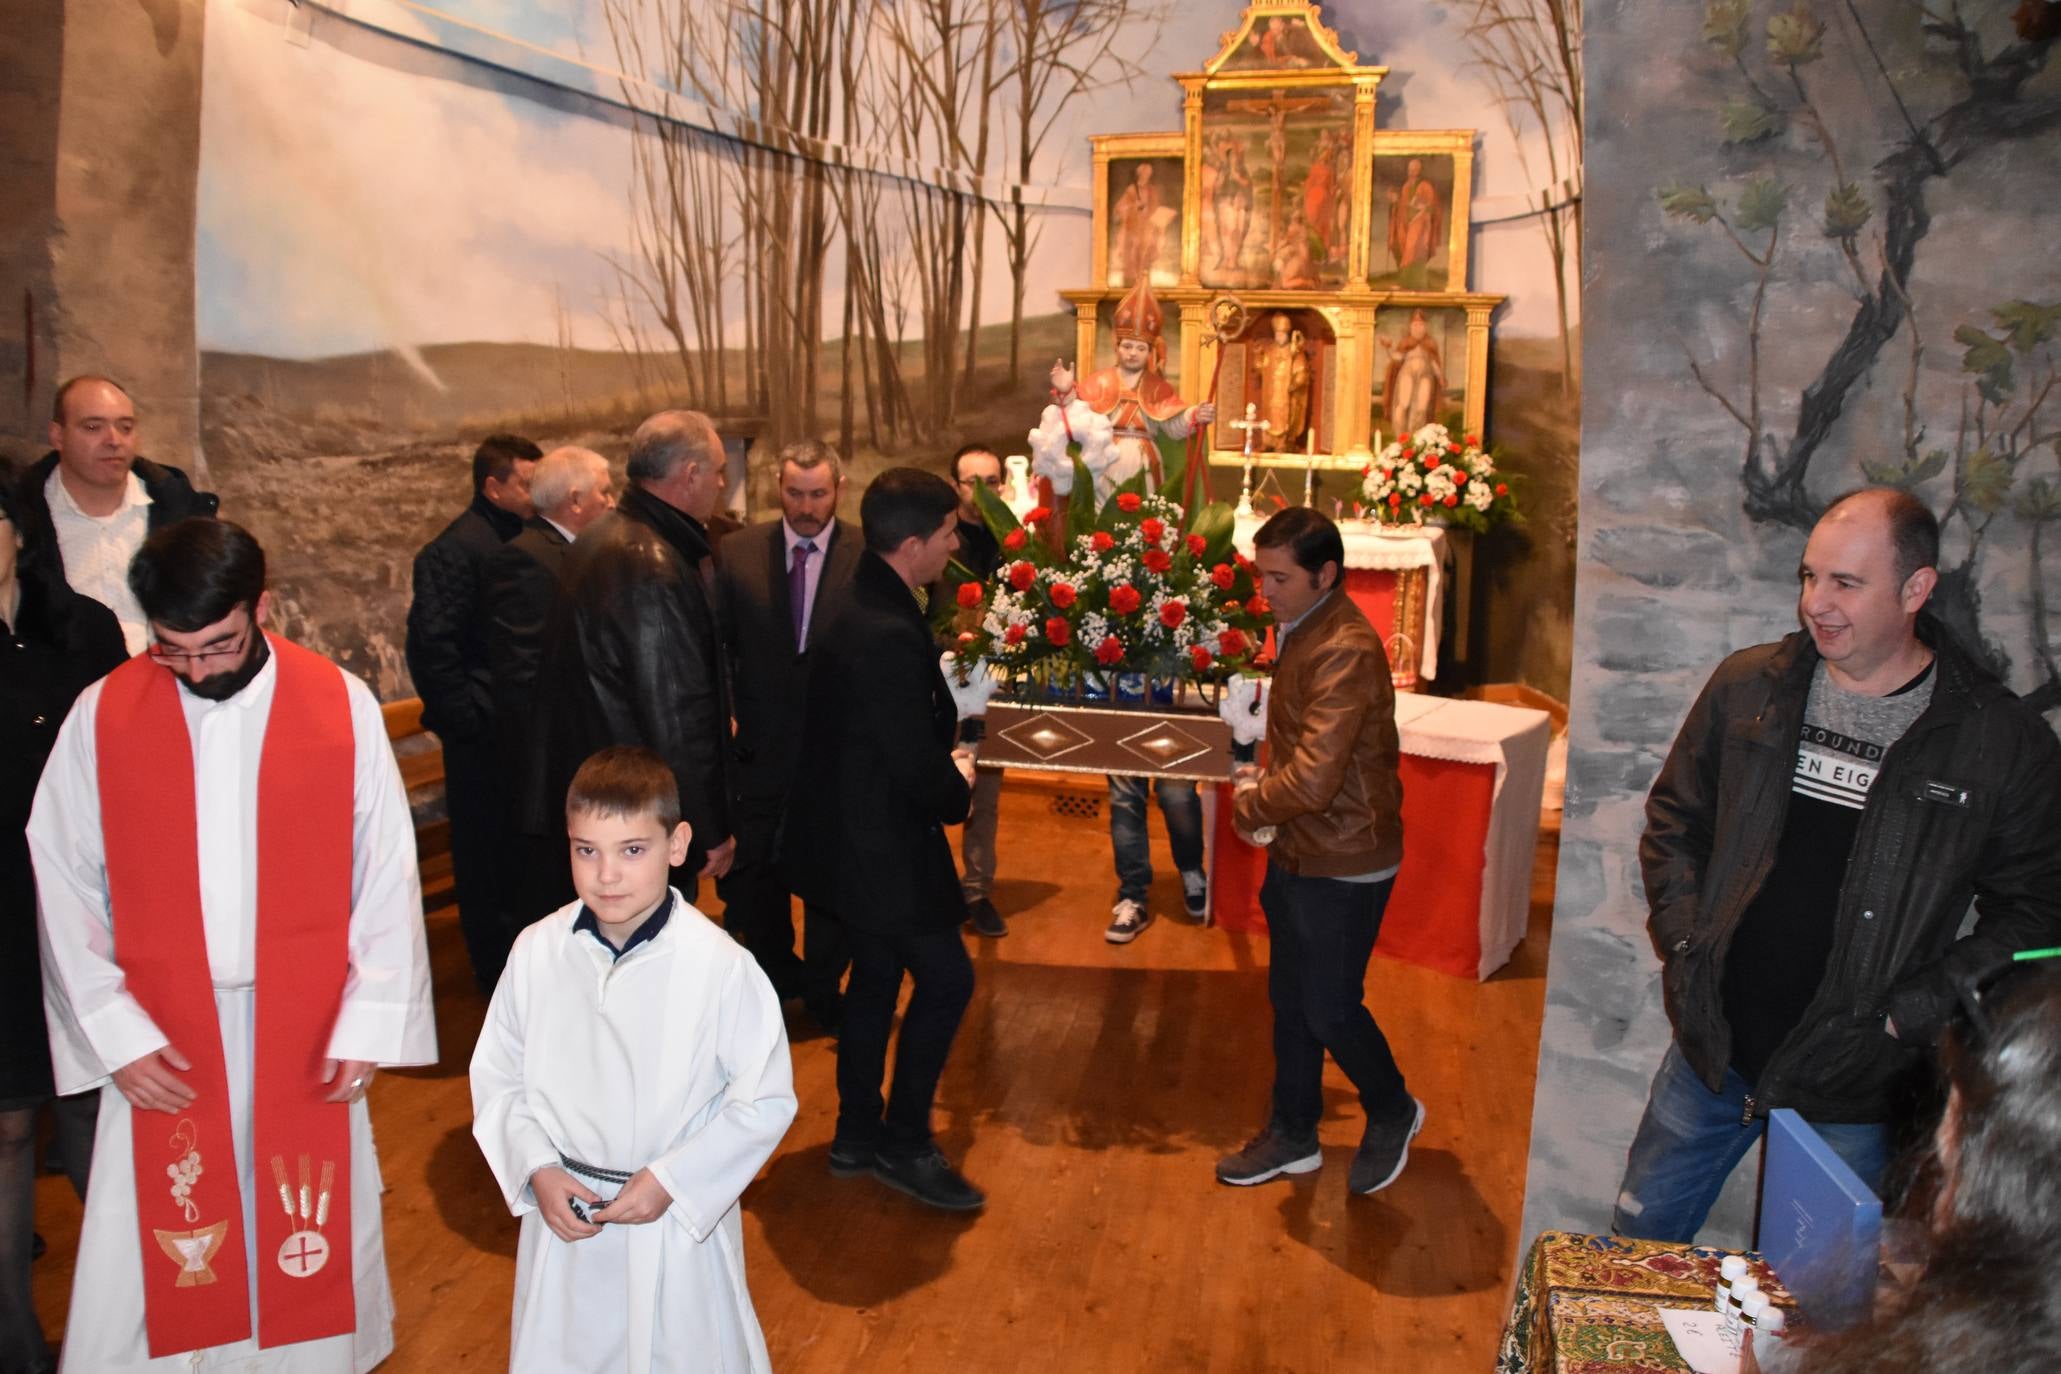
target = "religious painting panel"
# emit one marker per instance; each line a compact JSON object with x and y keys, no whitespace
{"x":1418,"y":220}
{"x":1143,"y":223}
{"x":1420,"y":369}
{"x":1285,"y":366}
{"x":1276,"y":180}
{"x":1276,"y":43}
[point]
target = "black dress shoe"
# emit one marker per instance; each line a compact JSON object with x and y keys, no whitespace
{"x":930,"y":1180}
{"x":985,"y":920}
{"x":849,"y":1160}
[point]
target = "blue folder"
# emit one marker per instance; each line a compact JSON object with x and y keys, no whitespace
{"x":1820,"y":1226}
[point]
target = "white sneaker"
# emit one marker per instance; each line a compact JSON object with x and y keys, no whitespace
{"x":1129,"y":920}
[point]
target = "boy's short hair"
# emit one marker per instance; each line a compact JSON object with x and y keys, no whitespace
{"x":625,"y":780}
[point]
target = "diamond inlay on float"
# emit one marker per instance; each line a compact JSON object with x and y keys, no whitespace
{"x":1045,"y":737}
{"x":1163,"y":744}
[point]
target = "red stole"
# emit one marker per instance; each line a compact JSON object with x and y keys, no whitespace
{"x":189,"y":1200}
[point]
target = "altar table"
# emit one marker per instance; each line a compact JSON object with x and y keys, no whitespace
{"x":1473,"y":775}
{"x":1591,"y":1304}
{"x":1397,"y":577}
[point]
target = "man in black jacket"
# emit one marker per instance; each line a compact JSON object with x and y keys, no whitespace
{"x":631,"y":652}
{"x":1830,"y":807}
{"x":777,"y":584}
{"x":447,"y":657}
{"x":865,"y":836}
{"x":91,"y":501}
{"x":571,"y":489}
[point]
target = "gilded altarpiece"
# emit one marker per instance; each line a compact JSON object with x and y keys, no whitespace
{"x":1345,"y":245}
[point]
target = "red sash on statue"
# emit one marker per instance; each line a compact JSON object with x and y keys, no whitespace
{"x":189,"y":1200}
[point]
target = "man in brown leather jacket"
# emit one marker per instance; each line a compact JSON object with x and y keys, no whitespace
{"x":1332,"y":800}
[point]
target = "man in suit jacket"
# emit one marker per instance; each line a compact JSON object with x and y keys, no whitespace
{"x":447,"y":658}
{"x":571,"y":489}
{"x":866,"y":837}
{"x":631,"y":653}
{"x":776,"y":584}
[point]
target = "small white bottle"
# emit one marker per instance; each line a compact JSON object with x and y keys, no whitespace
{"x":1731,"y":1269}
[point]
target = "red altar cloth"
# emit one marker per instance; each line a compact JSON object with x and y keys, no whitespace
{"x":1446,"y":807}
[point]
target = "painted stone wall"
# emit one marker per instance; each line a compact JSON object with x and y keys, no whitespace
{"x":1749,"y":162}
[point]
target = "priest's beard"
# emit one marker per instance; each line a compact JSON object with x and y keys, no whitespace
{"x":227,"y":683}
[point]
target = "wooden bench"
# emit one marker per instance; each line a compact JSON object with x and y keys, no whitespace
{"x":422,"y":770}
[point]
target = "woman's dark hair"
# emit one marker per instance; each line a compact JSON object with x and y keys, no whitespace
{"x":194,"y":572}
{"x":1989,"y":1297}
{"x":904,"y":503}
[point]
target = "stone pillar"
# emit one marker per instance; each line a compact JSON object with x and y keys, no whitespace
{"x":101,"y":100}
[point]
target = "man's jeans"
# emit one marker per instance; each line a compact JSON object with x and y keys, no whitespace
{"x":1128,"y":837}
{"x":1688,"y":1142}
{"x":1322,"y":932}
{"x":977,"y":837}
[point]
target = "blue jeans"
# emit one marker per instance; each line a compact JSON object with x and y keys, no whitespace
{"x":1688,"y":1142}
{"x":1182,"y":808}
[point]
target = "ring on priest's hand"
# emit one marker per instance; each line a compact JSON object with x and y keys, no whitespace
{"x":357,"y":1083}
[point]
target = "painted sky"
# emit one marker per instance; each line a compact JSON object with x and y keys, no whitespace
{"x":365,"y":189}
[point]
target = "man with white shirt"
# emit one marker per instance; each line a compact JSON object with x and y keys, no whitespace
{"x":222,"y":818}
{"x":92,"y":500}
{"x":776,"y":583}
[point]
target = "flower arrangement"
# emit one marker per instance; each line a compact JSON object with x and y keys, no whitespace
{"x":1428,"y":476}
{"x":1132,"y":588}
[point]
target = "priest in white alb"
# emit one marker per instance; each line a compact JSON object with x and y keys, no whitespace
{"x":232,"y":939}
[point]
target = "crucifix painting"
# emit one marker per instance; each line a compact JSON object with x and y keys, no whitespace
{"x":1276,"y":178}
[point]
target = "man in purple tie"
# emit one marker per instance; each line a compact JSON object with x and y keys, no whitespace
{"x":779,"y":581}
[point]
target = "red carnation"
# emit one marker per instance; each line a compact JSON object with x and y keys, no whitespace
{"x":1124,"y":598}
{"x":1502,"y":490}
{"x":1242,"y":561}
{"x":1013,"y":540}
{"x":1036,"y":514}
{"x":969,"y":594}
{"x":1452,"y":448}
{"x":1058,"y":631}
{"x":1172,"y":613}
{"x":1258,"y":606}
{"x":1197,"y":545}
{"x":1062,"y":594}
{"x":1223,"y":576}
{"x":1199,"y":656}
{"x":1452,"y":500}
{"x":1459,"y":477}
{"x":1110,"y":652}
{"x":1231,"y":642}
{"x":1395,"y":498}
{"x":1425,"y":499}
{"x":1153,"y":528}
{"x":1157,"y":560}
{"x":1021,"y":575}
{"x":1101,"y":542}
{"x":1014,"y":634}
{"x":1127,"y":502}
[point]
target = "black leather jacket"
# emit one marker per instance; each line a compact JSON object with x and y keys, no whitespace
{"x":631,"y":656}
{"x":1967,"y":805}
{"x":447,"y":623}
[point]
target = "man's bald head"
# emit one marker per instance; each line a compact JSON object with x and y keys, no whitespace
{"x":1908,"y":524}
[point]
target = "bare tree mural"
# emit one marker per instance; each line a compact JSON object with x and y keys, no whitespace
{"x":1960,"y":88}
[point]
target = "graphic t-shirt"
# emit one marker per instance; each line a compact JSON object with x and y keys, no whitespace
{"x":1779,"y":953}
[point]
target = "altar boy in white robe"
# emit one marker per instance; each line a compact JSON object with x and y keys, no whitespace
{"x":232,"y":938}
{"x":630,"y":1080}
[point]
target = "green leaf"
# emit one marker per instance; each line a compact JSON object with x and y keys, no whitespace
{"x":1173,"y":471}
{"x":1846,"y":210}
{"x":1080,"y":504}
{"x":2040,"y":500}
{"x":1986,"y":481}
{"x":2028,"y":325}
{"x":1746,"y":120}
{"x":1908,"y":473}
{"x":1687,"y":202}
{"x":1796,"y":38}
{"x":994,"y":513}
{"x":1761,"y":204}
{"x":1987,"y":359}
{"x":1214,"y":522}
{"x":1724,"y":25}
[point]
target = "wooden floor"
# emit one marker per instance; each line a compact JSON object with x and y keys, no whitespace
{"x":1089,"y":1093}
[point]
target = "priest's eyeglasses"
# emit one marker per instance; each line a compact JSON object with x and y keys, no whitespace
{"x":172,"y":658}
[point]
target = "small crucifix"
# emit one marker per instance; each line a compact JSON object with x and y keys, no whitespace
{"x":1251,"y":424}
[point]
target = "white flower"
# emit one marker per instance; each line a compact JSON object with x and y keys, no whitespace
{"x":1479,"y":496}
